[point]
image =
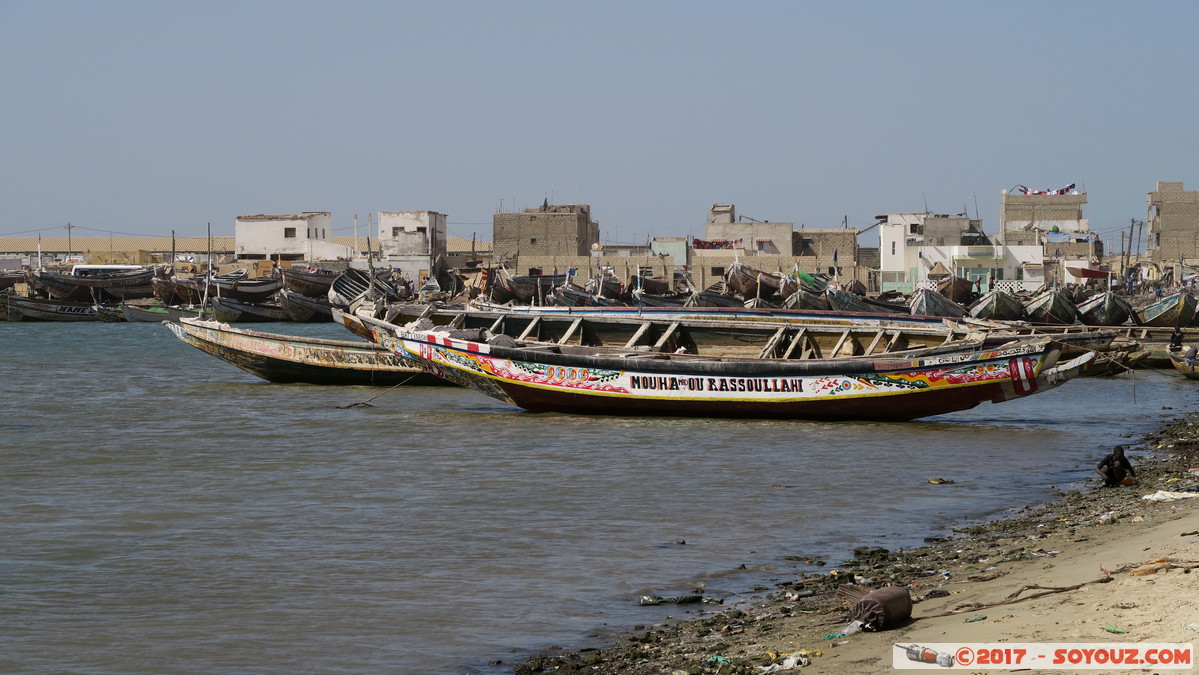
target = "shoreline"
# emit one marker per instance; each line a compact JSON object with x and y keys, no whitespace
{"x":1066,"y":541}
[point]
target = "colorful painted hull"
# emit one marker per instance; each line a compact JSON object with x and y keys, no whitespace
{"x":292,"y":358}
{"x":1188,"y":369}
{"x":1173,"y":310}
{"x":554,"y":378}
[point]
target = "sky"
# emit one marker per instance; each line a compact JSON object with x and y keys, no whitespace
{"x":147,"y":117}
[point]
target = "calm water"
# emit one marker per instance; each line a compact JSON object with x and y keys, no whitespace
{"x":164,"y":512}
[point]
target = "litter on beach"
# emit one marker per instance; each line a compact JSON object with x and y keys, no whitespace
{"x":1167,"y":496}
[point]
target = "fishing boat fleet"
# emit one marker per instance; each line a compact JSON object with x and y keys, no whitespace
{"x":765,"y":345}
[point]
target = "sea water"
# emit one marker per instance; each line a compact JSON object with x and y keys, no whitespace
{"x":162,"y":511}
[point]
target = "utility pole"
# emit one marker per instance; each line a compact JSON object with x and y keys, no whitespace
{"x":69,"y":228}
{"x":1132,"y":224}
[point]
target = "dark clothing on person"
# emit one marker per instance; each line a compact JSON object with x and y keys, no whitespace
{"x":1190,"y":355}
{"x":1175,"y":340}
{"x":1114,"y":469}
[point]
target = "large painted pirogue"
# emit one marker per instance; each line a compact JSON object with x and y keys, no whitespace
{"x":566,"y":378}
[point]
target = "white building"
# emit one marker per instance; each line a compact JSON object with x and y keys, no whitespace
{"x":413,"y":242}
{"x":918,"y":248}
{"x":287,"y":237}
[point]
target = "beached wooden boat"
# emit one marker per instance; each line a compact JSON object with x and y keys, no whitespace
{"x":236,"y":311}
{"x":244,"y":290}
{"x":1104,"y":309}
{"x":570,"y":295}
{"x":507,"y":287}
{"x":928,"y":302}
{"x":9,"y":279}
{"x":311,"y":282}
{"x":710,"y":299}
{"x":605,"y":287}
{"x":292,"y":358}
{"x":805,"y":299}
{"x":1177,"y":309}
{"x":303,"y":308}
{"x":95,"y":283}
{"x":1190,"y":369}
{"x":744,"y":333}
{"x":845,"y":301}
{"x":956,"y":288}
{"x":648,"y":284}
{"x":644,"y":299}
{"x":998,"y":305}
{"x":735,"y":312}
{"x":20,"y":308}
{"x":355,"y":284}
{"x":159,"y":313}
{"x":751,"y":282}
{"x":1052,"y":307}
{"x":665,"y":376}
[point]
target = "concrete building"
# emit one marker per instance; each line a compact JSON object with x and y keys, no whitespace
{"x":1173,"y":221}
{"x":414,"y":242}
{"x":917,"y":249}
{"x":771,"y":246}
{"x":545,"y":238}
{"x":305,"y":236}
{"x":1053,"y":219}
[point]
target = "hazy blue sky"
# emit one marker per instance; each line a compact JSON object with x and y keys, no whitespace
{"x":147,"y":116}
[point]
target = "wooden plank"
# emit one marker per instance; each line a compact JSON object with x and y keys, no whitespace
{"x":530,"y":328}
{"x":841,"y":341}
{"x":637,"y":336}
{"x":666,"y":335}
{"x":878,"y":337}
{"x":772,"y":343}
{"x":795,"y":342}
{"x":574,"y":326}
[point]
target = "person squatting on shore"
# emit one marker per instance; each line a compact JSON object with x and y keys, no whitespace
{"x":1114,"y":467}
{"x":1176,"y":340}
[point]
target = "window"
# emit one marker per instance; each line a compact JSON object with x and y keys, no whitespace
{"x":718,"y":271}
{"x":892,"y":248}
{"x":395,"y":232}
{"x":289,"y":233}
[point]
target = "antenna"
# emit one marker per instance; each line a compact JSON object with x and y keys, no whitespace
{"x":925,"y":201}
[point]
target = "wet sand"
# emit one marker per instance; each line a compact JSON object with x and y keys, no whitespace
{"x":1134,"y":559}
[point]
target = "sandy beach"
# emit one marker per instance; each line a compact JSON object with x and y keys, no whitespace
{"x":1127,"y":561}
